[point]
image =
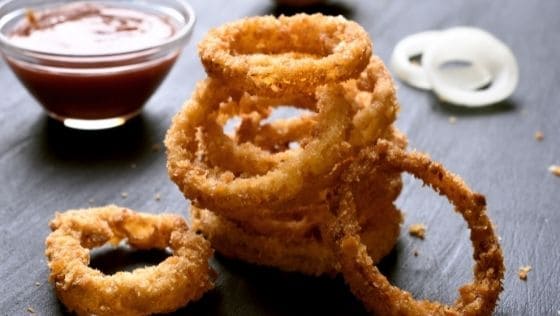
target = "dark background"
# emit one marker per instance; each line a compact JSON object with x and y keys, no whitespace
{"x":45,"y":167}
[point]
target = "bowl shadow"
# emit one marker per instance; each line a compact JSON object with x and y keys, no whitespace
{"x":58,"y":143}
{"x":326,"y":8}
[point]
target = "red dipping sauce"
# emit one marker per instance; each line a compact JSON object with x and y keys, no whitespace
{"x":93,"y":65}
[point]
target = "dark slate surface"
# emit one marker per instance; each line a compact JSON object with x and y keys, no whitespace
{"x":45,"y":167}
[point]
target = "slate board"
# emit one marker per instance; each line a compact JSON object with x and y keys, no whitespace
{"x":45,"y":167}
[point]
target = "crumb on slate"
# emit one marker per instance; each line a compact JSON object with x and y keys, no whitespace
{"x":523,"y":271}
{"x":156,"y":147}
{"x":539,"y":135}
{"x":30,"y":310}
{"x":416,"y":253}
{"x":417,"y":230}
{"x":37,"y":284}
{"x":133,"y":166}
{"x":555,"y":170}
{"x":124,"y":195}
{"x":157,"y":196}
{"x":452,"y":119}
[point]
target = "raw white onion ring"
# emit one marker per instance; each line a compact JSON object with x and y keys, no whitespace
{"x":472,"y":77}
{"x":472,"y":45}
{"x":408,"y":47}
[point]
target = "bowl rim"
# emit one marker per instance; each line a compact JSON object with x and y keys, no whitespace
{"x":181,"y":35}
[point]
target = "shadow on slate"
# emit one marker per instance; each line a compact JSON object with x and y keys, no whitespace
{"x":272,"y":292}
{"x":111,"y":260}
{"x":445,"y":108}
{"x":389,"y":264}
{"x":328,"y":8}
{"x":123,"y":143}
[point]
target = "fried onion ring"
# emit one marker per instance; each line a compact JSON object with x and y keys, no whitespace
{"x":293,"y":242}
{"x":223,"y":191}
{"x":271,"y":56}
{"x":374,"y":108}
{"x":379,"y":188}
{"x":307,"y":254}
{"x":365,"y":280}
{"x":259,"y":199}
{"x":183,"y":277}
{"x":238,"y":173}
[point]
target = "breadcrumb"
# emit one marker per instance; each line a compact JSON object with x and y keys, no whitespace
{"x":124,"y":195}
{"x":30,"y":310}
{"x":157,"y":196}
{"x":523,"y":271}
{"x":416,"y":253}
{"x":452,"y":119}
{"x":555,"y":170}
{"x":32,"y":18}
{"x":539,"y":135}
{"x":417,"y":230}
{"x":37,"y":284}
{"x":133,"y":166}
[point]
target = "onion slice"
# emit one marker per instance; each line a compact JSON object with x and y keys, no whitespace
{"x":488,"y":74}
{"x":470,"y":77}
{"x":475,"y":46}
{"x":407,"y":48}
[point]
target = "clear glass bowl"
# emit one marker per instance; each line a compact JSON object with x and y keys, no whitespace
{"x":94,"y":91}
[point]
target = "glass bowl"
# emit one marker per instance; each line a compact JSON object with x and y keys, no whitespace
{"x":95,"y":90}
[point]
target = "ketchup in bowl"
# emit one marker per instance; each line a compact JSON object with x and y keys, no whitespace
{"x":93,"y":65}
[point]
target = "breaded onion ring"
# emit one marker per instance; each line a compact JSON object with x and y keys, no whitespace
{"x":378,"y":188}
{"x":293,"y":241}
{"x":229,"y":178}
{"x":282,"y":56}
{"x":221,"y":189}
{"x":374,"y":108}
{"x":241,"y":156}
{"x":305,"y":254}
{"x":375,"y":101}
{"x":365,"y":280}
{"x":183,"y":277}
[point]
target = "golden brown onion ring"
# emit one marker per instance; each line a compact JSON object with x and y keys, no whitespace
{"x":183,"y":277}
{"x":293,"y":242}
{"x":275,"y":136}
{"x":221,"y":189}
{"x":306,"y":254}
{"x":375,"y":101}
{"x":365,"y":280}
{"x":270,"y":56}
{"x":379,"y":187}
{"x":374,"y":108}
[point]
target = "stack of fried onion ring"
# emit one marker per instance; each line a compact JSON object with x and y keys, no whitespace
{"x":258,"y":198}
{"x":252,"y":186}
{"x":182,"y":277}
